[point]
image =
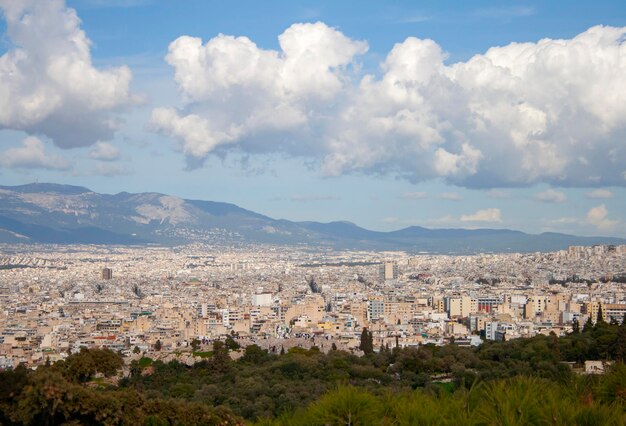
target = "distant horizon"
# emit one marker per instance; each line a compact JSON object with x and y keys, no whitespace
{"x":446,"y":115}
{"x":313,"y":221}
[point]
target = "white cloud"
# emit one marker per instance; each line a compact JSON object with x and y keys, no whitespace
{"x":48,"y":84}
{"x":599,"y":193}
{"x":414,"y":195}
{"x":104,"y":151}
{"x":242,"y":94}
{"x":551,"y":196}
{"x":598,"y":217}
{"x":452,"y":196}
{"x":566,"y":220}
{"x":32,"y":155}
{"x":485,"y":215}
{"x":547,"y":112}
{"x":197,"y":132}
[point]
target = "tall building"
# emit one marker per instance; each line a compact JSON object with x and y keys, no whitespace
{"x":388,"y":271}
{"x":262,"y":299}
{"x":107,"y":273}
{"x":375,"y":309}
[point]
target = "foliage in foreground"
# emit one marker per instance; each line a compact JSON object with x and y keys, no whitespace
{"x":514,"y":401}
{"x":518,"y":382}
{"x":61,"y":394}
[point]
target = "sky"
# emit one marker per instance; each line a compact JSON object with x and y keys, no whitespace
{"x":441,"y":114}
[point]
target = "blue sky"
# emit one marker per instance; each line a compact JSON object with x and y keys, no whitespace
{"x":386,"y":114}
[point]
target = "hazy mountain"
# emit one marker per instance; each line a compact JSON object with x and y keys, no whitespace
{"x":52,"y":213}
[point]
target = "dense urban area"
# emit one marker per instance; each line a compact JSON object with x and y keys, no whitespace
{"x":274,"y":335}
{"x":173,"y":303}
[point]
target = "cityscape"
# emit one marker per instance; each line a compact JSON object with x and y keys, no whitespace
{"x":312,"y":213}
{"x":57,"y":300}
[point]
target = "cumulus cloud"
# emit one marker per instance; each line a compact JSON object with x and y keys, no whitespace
{"x":239,"y":93}
{"x":551,"y":196}
{"x":104,"y":151}
{"x":598,"y":217}
{"x":599,"y":193}
{"x":48,"y":83}
{"x":485,"y":215}
{"x":525,"y":113}
{"x":32,"y":155}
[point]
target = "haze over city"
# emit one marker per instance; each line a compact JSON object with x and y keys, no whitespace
{"x":444,"y":115}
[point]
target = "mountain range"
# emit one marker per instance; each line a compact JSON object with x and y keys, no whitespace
{"x":65,"y":214}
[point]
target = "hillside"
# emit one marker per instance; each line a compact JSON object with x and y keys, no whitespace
{"x":63,"y":214}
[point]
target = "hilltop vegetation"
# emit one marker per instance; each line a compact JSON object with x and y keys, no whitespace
{"x":518,"y":382}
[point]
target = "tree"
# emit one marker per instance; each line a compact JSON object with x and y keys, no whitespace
{"x":315,"y":288}
{"x":220,"y":361}
{"x":367,"y":341}
{"x":254,"y":354}
{"x":334,"y":346}
{"x":158,"y":345}
{"x":136,"y":350}
{"x":588,"y":325}
{"x":575,"y":326}
{"x":85,"y":364}
{"x":195,"y":344}
{"x":231,"y":344}
{"x":600,"y":317}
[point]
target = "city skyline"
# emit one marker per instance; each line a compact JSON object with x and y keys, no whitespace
{"x":496,"y":115}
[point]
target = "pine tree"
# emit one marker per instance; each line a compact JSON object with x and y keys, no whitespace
{"x":575,"y":326}
{"x":367,"y":341}
{"x":588,"y":325}
{"x":157,"y":345}
{"x":600,"y":317}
